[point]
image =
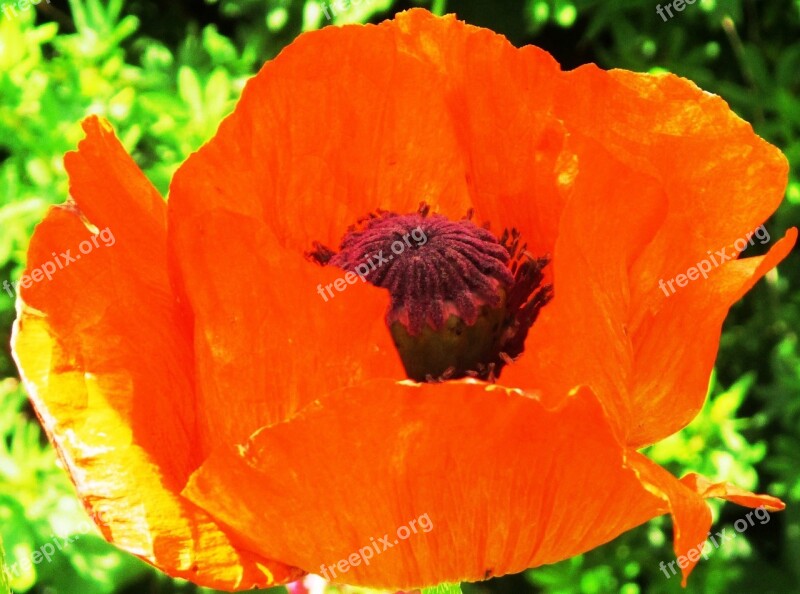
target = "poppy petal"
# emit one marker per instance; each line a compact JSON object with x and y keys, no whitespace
{"x":340,"y":124}
{"x":365,"y":461}
{"x":694,"y":177}
{"x":284,"y":175}
{"x":691,"y":516}
{"x":720,"y":181}
{"x":581,"y":338}
{"x":501,"y":102}
{"x":668,"y":392}
{"x":723,"y":490}
{"x":267,"y":342}
{"x":306,"y":153}
{"x":105,"y":354}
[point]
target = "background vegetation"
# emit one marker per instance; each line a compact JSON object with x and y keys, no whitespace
{"x":165,"y":74}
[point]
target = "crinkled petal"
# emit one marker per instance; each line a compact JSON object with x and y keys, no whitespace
{"x":505,"y":483}
{"x":501,"y":101}
{"x":105,"y":353}
{"x":341,"y":123}
{"x":669,"y":391}
{"x":666,"y":174}
{"x":690,"y":515}
{"x":266,"y":341}
{"x":720,"y":181}
{"x":306,"y":153}
{"x":724,"y":490}
{"x":581,"y":337}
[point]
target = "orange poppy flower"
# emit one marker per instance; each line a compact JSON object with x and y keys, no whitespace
{"x":238,"y":427}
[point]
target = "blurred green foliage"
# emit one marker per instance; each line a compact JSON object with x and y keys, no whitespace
{"x":165,"y":74}
{"x":4,"y":588}
{"x":38,"y":508}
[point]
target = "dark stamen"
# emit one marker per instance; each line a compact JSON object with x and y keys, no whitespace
{"x":462,"y":301}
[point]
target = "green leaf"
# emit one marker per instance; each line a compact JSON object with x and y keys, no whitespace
{"x":219,"y":47}
{"x":191,"y":91}
{"x":443,"y":589}
{"x":218,"y":89}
